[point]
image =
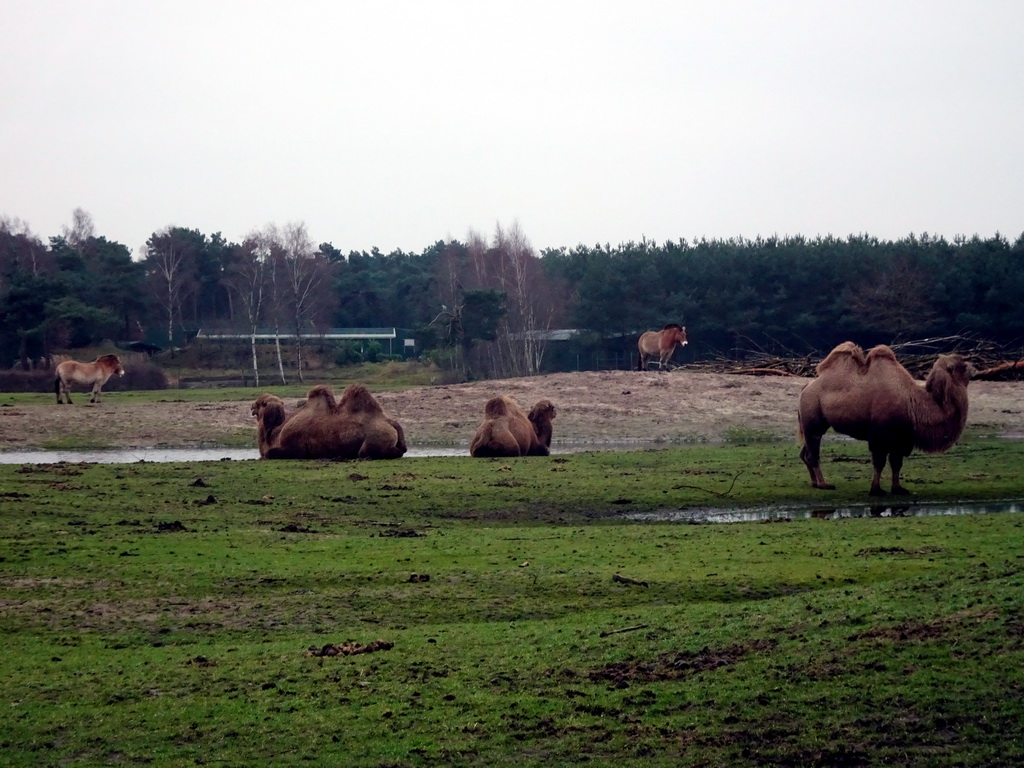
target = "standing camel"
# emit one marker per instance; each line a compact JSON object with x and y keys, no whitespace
{"x":874,"y":398}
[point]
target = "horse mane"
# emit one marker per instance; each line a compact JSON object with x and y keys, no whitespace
{"x":108,"y":359}
{"x":672,"y":326}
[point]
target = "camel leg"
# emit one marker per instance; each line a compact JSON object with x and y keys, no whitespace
{"x":878,"y":458}
{"x":896,"y":462}
{"x":810,"y":454}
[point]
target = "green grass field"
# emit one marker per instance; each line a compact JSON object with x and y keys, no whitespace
{"x":186,"y":614}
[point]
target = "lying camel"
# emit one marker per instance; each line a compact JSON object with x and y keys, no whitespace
{"x":355,"y":427}
{"x":874,"y":398}
{"x":508,"y":431}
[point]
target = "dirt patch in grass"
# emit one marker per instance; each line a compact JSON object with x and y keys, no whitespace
{"x":612,"y":407}
{"x":672,"y":666}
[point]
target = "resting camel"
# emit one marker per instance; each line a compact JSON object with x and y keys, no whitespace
{"x":355,"y":427}
{"x":872,"y":397}
{"x":509,"y":431}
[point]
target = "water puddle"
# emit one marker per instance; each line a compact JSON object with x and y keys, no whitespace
{"x":159,"y":455}
{"x":779,"y":514}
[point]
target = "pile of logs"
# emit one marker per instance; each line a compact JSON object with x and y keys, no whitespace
{"x":993,"y":362}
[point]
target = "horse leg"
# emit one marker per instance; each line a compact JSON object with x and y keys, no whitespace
{"x":95,"y":394}
{"x":810,"y":454}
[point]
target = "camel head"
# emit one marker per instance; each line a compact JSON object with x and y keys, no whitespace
{"x":542,"y":412}
{"x":541,"y":416}
{"x":264,"y":403}
{"x":949,"y":375}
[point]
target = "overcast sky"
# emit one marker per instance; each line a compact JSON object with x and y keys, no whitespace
{"x":397,"y":124}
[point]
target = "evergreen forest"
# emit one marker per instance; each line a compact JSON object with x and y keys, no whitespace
{"x":492,"y":305}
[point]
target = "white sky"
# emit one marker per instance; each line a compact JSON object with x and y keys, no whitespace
{"x":397,"y":124}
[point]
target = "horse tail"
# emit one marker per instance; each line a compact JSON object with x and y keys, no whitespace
{"x":639,"y":361}
{"x":56,"y":384}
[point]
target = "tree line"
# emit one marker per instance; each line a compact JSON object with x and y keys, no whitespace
{"x":488,"y":306}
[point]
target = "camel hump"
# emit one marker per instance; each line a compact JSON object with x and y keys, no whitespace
{"x":321,"y":396}
{"x":496,"y":407}
{"x":881,"y":353}
{"x":357,"y":399}
{"x":845,"y":354}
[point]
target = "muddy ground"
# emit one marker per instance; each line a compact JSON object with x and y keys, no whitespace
{"x":593,"y":407}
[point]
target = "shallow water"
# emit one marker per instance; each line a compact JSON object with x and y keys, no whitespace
{"x":781,"y":514}
{"x":159,"y":455}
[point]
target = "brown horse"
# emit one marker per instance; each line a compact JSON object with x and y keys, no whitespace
{"x":662,"y":343}
{"x":94,"y":374}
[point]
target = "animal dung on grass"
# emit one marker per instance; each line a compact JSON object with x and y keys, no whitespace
{"x":507,"y":430}
{"x":349,"y":648}
{"x":873,"y":397}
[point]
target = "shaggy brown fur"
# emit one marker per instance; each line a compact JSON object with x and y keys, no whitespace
{"x":355,"y":427}
{"x":508,"y":431}
{"x":874,"y":398}
{"x":541,"y":416}
{"x":270,"y":415}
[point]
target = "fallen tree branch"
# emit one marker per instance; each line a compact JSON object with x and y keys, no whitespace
{"x":608,"y":632}
{"x":764,"y":372}
{"x":997,"y":371}
{"x":708,"y":490}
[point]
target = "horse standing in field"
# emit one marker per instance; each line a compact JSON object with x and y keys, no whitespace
{"x":94,"y":374}
{"x":662,"y":343}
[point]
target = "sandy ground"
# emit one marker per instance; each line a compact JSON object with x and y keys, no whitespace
{"x":616,"y":407}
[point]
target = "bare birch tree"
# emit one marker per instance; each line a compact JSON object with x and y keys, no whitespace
{"x":510,"y":266}
{"x":168,"y":267}
{"x":82,"y":228}
{"x":248,"y":280}
{"x":305,"y":272}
